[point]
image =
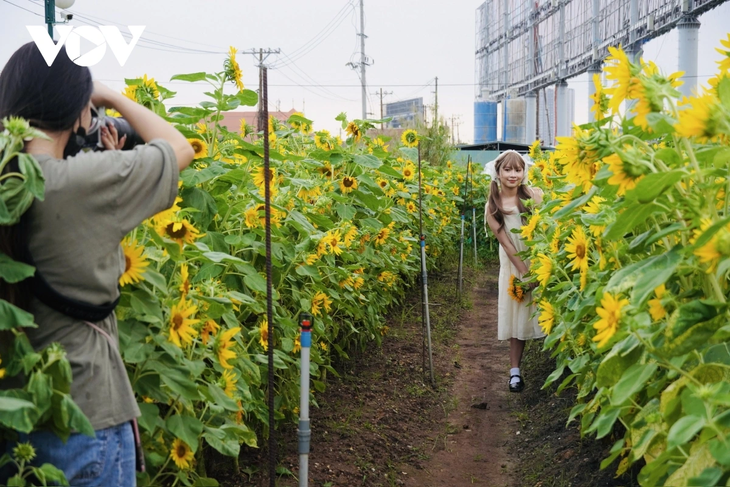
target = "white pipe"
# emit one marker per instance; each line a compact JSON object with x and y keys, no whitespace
{"x":474,"y":228}
{"x":530,"y":118}
{"x":563,"y":125}
{"x":304,"y":432}
{"x":461,"y":255}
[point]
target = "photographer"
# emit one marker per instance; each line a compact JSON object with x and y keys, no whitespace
{"x":92,"y":200}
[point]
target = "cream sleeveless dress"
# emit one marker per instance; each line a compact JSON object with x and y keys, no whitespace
{"x":514,"y":320}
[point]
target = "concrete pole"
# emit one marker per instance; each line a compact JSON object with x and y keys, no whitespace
{"x":634,"y":50}
{"x":362,"y":62}
{"x":593,"y":70}
{"x":688,"y":29}
{"x":561,"y":109}
{"x":530,"y":117}
{"x":505,"y":69}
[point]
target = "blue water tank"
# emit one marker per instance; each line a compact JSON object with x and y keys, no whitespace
{"x":485,"y":121}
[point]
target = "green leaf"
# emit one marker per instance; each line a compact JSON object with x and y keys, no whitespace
{"x":683,"y":430}
{"x":13,"y":317}
{"x":192,"y":77}
{"x":603,"y":424}
{"x":368,"y":199}
{"x":653,"y":185}
{"x":720,"y":452}
{"x":156,"y":279}
{"x":221,"y":257}
{"x":187,"y":428}
{"x":13,"y":271}
{"x":177,"y":380}
{"x":221,"y":398}
{"x":710,"y":477}
{"x":301,"y":220}
{"x":570,"y":207}
{"x":630,"y":218}
{"x":346,"y":212}
{"x":248,"y":98}
{"x":367,"y":160}
{"x":661,"y":123}
{"x":228,"y":447}
{"x":614,"y":365}
{"x":52,"y":474}
{"x":77,"y":420}
{"x":723,"y":92}
{"x":631,"y":382}
{"x":255,"y":282}
{"x":150,"y":413}
{"x":655,"y":274}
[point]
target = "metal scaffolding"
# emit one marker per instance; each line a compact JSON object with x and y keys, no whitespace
{"x":525,"y":45}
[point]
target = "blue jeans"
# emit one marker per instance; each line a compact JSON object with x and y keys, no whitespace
{"x":104,"y":461}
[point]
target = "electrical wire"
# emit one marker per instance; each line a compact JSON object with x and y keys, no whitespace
{"x":326,"y":31}
{"x":23,"y":8}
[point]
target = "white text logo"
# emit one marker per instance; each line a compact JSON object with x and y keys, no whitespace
{"x":99,"y":36}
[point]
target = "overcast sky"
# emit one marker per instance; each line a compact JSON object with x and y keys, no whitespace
{"x":410,"y":41}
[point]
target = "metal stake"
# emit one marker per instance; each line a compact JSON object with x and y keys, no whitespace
{"x":304,"y":434}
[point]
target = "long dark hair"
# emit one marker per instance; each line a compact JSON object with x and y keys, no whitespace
{"x":506,"y":160}
{"x":51,"y":98}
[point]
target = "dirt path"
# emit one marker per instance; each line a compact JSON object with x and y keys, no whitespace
{"x":473,"y":448}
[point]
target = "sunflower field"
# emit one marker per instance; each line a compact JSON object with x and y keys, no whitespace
{"x":192,"y":316}
{"x":632,"y":254}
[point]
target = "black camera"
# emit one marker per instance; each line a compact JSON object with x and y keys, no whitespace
{"x":92,"y":140}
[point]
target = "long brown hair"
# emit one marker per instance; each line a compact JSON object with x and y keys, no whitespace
{"x":494,"y":205}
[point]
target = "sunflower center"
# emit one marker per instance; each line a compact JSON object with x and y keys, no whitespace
{"x":181,"y":451}
{"x":177,"y":321}
{"x":127,"y":263}
{"x":197,"y":147}
{"x":179,"y":233}
{"x":348,"y":182}
{"x":580,"y":251}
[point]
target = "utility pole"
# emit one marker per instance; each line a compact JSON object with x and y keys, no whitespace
{"x":382,"y":94}
{"x":364,"y":62}
{"x":436,"y":105}
{"x":261,"y":122}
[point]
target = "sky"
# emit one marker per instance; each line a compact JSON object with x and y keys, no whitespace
{"x":410,"y":43}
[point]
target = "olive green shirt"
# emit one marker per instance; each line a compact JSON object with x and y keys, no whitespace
{"x":92,"y":201}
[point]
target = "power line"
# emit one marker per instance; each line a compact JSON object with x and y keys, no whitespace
{"x":23,"y":8}
{"x":326,"y":31}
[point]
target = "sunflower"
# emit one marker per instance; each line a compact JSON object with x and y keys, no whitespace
{"x":181,"y":325}
{"x":515,"y":290}
{"x":134,"y":263}
{"x":319,"y":301}
{"x":180,"y":231}
{"x":333,"y":242}
{"x":181,"y":454}
{"x":622,"y":72}
{"x":382,"y":236}
{"x":610,"y":314}
{"x":184,"y":281}
{"x":704,"y":118}
{"x":408,"y":172}
{"x":650,"y":91}
{"x":411,"y":207}
{"x":387,"y":278}
{"x":544,"y":271}
{"x":200,"y":147}
{"x":2,"y":371}
{"x":555,"y":240}
{"x":142,"y":90}
{"x":350,"y":236}
{"x":323,"y":346}
{"x":625,"y":175}
{"x":529,"y":228}
{"x":600,"y":100}
{"x":348,"y":184}
{"x":224,"y":345}
{"x":409,"y":138}
{"x":228,"y":383}
{"x":353,"y":130}
{"x":382,"y":183}
{"x":264,"y":334}
{"x":323,"y":140}
{"x":233,"y":70}
{"x":547,"y":316}
{"x":251,"y":217}
{"x":577,"y":248}
{"x":210,"y":328}
{"x":594,"y":205}
{"x":297,"y":345}
{"x":715,"y":249}
{"x":656,"y":310}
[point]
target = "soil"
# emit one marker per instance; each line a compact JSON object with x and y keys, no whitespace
{"x":382,"y":422}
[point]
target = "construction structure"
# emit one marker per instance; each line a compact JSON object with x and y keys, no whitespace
{"x":526,"y":46}
{"x":404,"y":113}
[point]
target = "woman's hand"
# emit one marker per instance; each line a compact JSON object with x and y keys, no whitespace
{"x":110,"y":138}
